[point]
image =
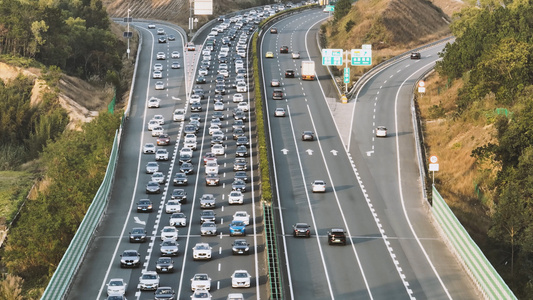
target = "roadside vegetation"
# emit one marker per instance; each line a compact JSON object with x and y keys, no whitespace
{"x":478,"y":114}
{"x":49,"y":174}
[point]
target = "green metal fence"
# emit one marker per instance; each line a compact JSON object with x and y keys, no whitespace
{"x":489,"y":281}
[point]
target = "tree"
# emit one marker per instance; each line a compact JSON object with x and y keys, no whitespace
{"x":342,"y":8}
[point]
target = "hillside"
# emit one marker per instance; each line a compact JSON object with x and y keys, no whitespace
{"x":391,"y":26}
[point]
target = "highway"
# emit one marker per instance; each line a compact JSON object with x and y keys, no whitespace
{"x":102,"y":262}
{"x":394,"y":252}
{"x":373,"y":189}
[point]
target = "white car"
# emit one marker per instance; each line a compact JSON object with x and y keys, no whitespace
{"x":201,"y":294}
{"x":157,"y":130}
{"x":213,"y":128}
{"x":178,"y":219}
{"x":241,"y":87}
{"x":242,"y":216}
{"x":208,"y":228}
{"x":158,"y":67}
{"x":186,"y":150}
{"x":190,"y":143}
{"x":161,"y":55}
{"x":159,"y":85}
{"x":149,"y":148}
{"x":207,"y":57}
{"x":179,"y":115}
{"x":211,"y":167}
{"x":279,"y":112}
{"x":206,"y":52}
{"x":318,"y":186}
{"x":223,"y":66}
{"x":172,"y":206}
{"x":157,"y":75}
{"x":219,"y":106}
{"x":153,"y":102}
{"x":201,"y":251}
{"x":152,"y":124}
{"x":237,"y":98}
{"x":161,"y":154}
{"x":200,"y":281}
{"x":158,"y":177}
{"x":239,"y":63}
{"x":160,"y":119}
{"x":116,"y":286}
{"x":195,"y":99}
{"x":149,"y":280}
{"x":235,"y":197}
{"x":169,"y":232}
{"x":240,"y":278}
{"x":203,"y":72}
{"x":381,"y":131}
{"x":295,"y":55}
{"x":223,"y":72}
{"x":217,"y":149}
{"x":235,"y":296}
{"x":243,"y":106}
{"x":175,"y":54}
{"x":219,"y":133}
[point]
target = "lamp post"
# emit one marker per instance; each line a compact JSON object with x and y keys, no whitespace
{"x":128,"y":37}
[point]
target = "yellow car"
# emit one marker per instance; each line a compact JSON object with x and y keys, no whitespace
{"x":269,"y":54}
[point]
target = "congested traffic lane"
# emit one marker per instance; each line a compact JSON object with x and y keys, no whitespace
{"x":223,"y":263}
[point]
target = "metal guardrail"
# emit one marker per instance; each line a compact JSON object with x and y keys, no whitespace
{"x":472,"y":258}
{"x":274,"y":276}
{"x":60,"y":282}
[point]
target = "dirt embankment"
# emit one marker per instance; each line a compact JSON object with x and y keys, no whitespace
{"x":80,"y":99}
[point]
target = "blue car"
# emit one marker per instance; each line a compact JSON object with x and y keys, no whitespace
{"x":237,"y":228}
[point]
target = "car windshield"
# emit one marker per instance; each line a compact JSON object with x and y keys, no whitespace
{"x":201,"y":247}
{"x":130,"y":253}
{"x":164,"y":292}
{"x":163,"y":260}
{"x":168,"y":243}
{"x":169,"y":229}
{"x":178,"y":215}
{"x":149,"y":276}
{"x":137,"y":231}
{"x":240,"y":243}
{"x":241,"y":275}
{"x":200,"y":277}
{"x":115,"y":283}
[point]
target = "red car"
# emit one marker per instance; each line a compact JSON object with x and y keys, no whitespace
{"x":163,"y":140}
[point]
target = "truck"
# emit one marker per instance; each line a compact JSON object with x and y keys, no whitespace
{"x":308,"y":70}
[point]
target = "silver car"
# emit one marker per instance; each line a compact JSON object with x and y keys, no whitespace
{"x":208,"y":228}
{"x":169,"y":247}
{"x":178,"y":219}
{"x":207,"y":201}
{"x":152,"y":167}
{"x":149,"y":280}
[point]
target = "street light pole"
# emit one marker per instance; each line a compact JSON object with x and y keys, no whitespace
{"x":128,"y":37}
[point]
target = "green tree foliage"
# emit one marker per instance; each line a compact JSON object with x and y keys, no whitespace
{"x":26,"y":128}
{"x":493,"y":46}
{"x":75,"y":165}
{"x":342,"y":8}
{"x":73,"y":35}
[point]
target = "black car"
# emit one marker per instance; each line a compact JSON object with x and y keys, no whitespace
{"x":240,"y":164}
{"x":137,"y":235}
{"x":237,"y":132}
{"x":189,"y":128}
{"x":200,"y":79}
{"x":164,"y":265}
{"x":222,"y":60}
{"x":238,"y":185}
{"x":153,"y":187}
{"x":198,"y":91}
{"x":186,"y":168}
{"x":241,"y":175}
{"x":195,"y":116}
{"x":162,"y":39}
{"x":336,"y":236}
{"x":240,"y":246}
{"x":180,"y":179}
{"x":273,"y":30}
{"x":241,"y":151}
{"x":415,"y":55}
{"x":180,"y":195}
{"x":196,"y":106}
{"x":289,"y":73}
{"x":207,"y":216}
{"x":171,"y":38}
{"x":220,"y":79}
{"x":217,"y":114}
{"x":243,"y":141}
{"x":217,"y":140}
{"x":185,"y":158}
{"x":284,"y":49}
{"x":164,"y":293}
{"x":144,"y":205}
{"x":217,"y":98}
{"x":301,"y":229}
